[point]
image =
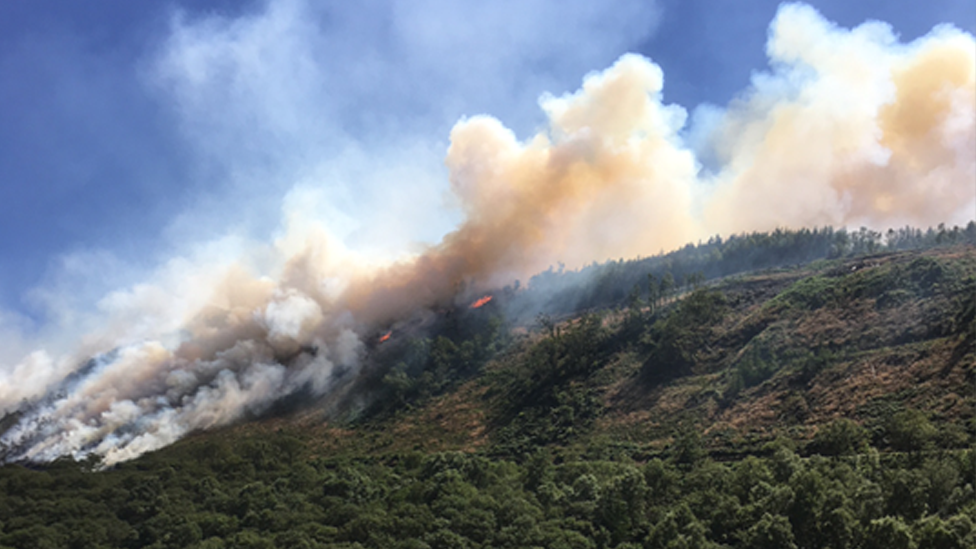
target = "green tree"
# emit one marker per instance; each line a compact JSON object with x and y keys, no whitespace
{"x":933,"y":533}
{"x":667,"y":284}
{"x":653,"y":292}
{"x":839,"y":528}
{"x":673,"y":342}
{"x":249,"y":539}
{"x":910,"y":431}
{"x":839,"y":438}
{"x":622,"y":504}
{"x":635,"y":314}
{"x":679,"y":529}
{"x":770,"y":532}
{"x":888,"y":533}
{"x":688,"y":448}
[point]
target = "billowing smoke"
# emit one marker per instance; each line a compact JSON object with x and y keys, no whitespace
{"x":850,"y":127}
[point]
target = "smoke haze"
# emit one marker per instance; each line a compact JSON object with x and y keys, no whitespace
{"x":849,"y":128}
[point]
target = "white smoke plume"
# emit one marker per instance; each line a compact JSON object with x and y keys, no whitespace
{"x":850,"y":127}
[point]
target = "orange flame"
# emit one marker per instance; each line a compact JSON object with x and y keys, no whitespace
{"x":385,"y":336}
{"x":481,"y":302}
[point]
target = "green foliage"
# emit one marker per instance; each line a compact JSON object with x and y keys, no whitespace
{"x":888,"y":285}
{"x":673,"y":342}
{"x":687,"y":448}
{"x":840,"y":438}
{"x":755,"y":365}
{"x":888,"y":533}
{"x":679,"y":529}
{"x":427,"y":367}
{"x":771,"y":532}
{"x":910,"y":431}
{"x":542,"y":399}
{"x":454,"y":499}
{"x":934,"y":533}
{"x":810,"y":293}
{"x":964,"y":317}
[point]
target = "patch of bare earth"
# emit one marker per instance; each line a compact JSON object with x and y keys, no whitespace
{"x":455,"y":421}
{"x":918,"y":374}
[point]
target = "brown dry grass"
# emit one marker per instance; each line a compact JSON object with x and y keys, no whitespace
{"x":885,"y":353}
{"x":889,"y":354}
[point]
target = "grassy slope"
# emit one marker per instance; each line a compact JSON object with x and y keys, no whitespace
{"x":793,"y":350}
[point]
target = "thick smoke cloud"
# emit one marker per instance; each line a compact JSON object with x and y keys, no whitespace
{"x":850,"y":127}
{"x":608,"y":178}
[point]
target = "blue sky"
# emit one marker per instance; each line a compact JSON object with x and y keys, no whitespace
{"x":112,"y":158}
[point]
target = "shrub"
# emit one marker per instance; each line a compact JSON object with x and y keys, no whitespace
{"x":910,"y":431}
{"x":839,"y":438}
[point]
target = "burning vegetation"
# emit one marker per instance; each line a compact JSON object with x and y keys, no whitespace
{"x":480,"y":302}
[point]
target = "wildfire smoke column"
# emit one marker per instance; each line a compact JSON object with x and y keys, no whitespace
{"x":849,"y":127}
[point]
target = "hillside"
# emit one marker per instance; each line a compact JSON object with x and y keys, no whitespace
{"x":827,"y":404}
{"x":744,"y":361}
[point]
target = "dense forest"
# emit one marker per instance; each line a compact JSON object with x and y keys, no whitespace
{"x":793,"y":389}
{"x":273,"y":491}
